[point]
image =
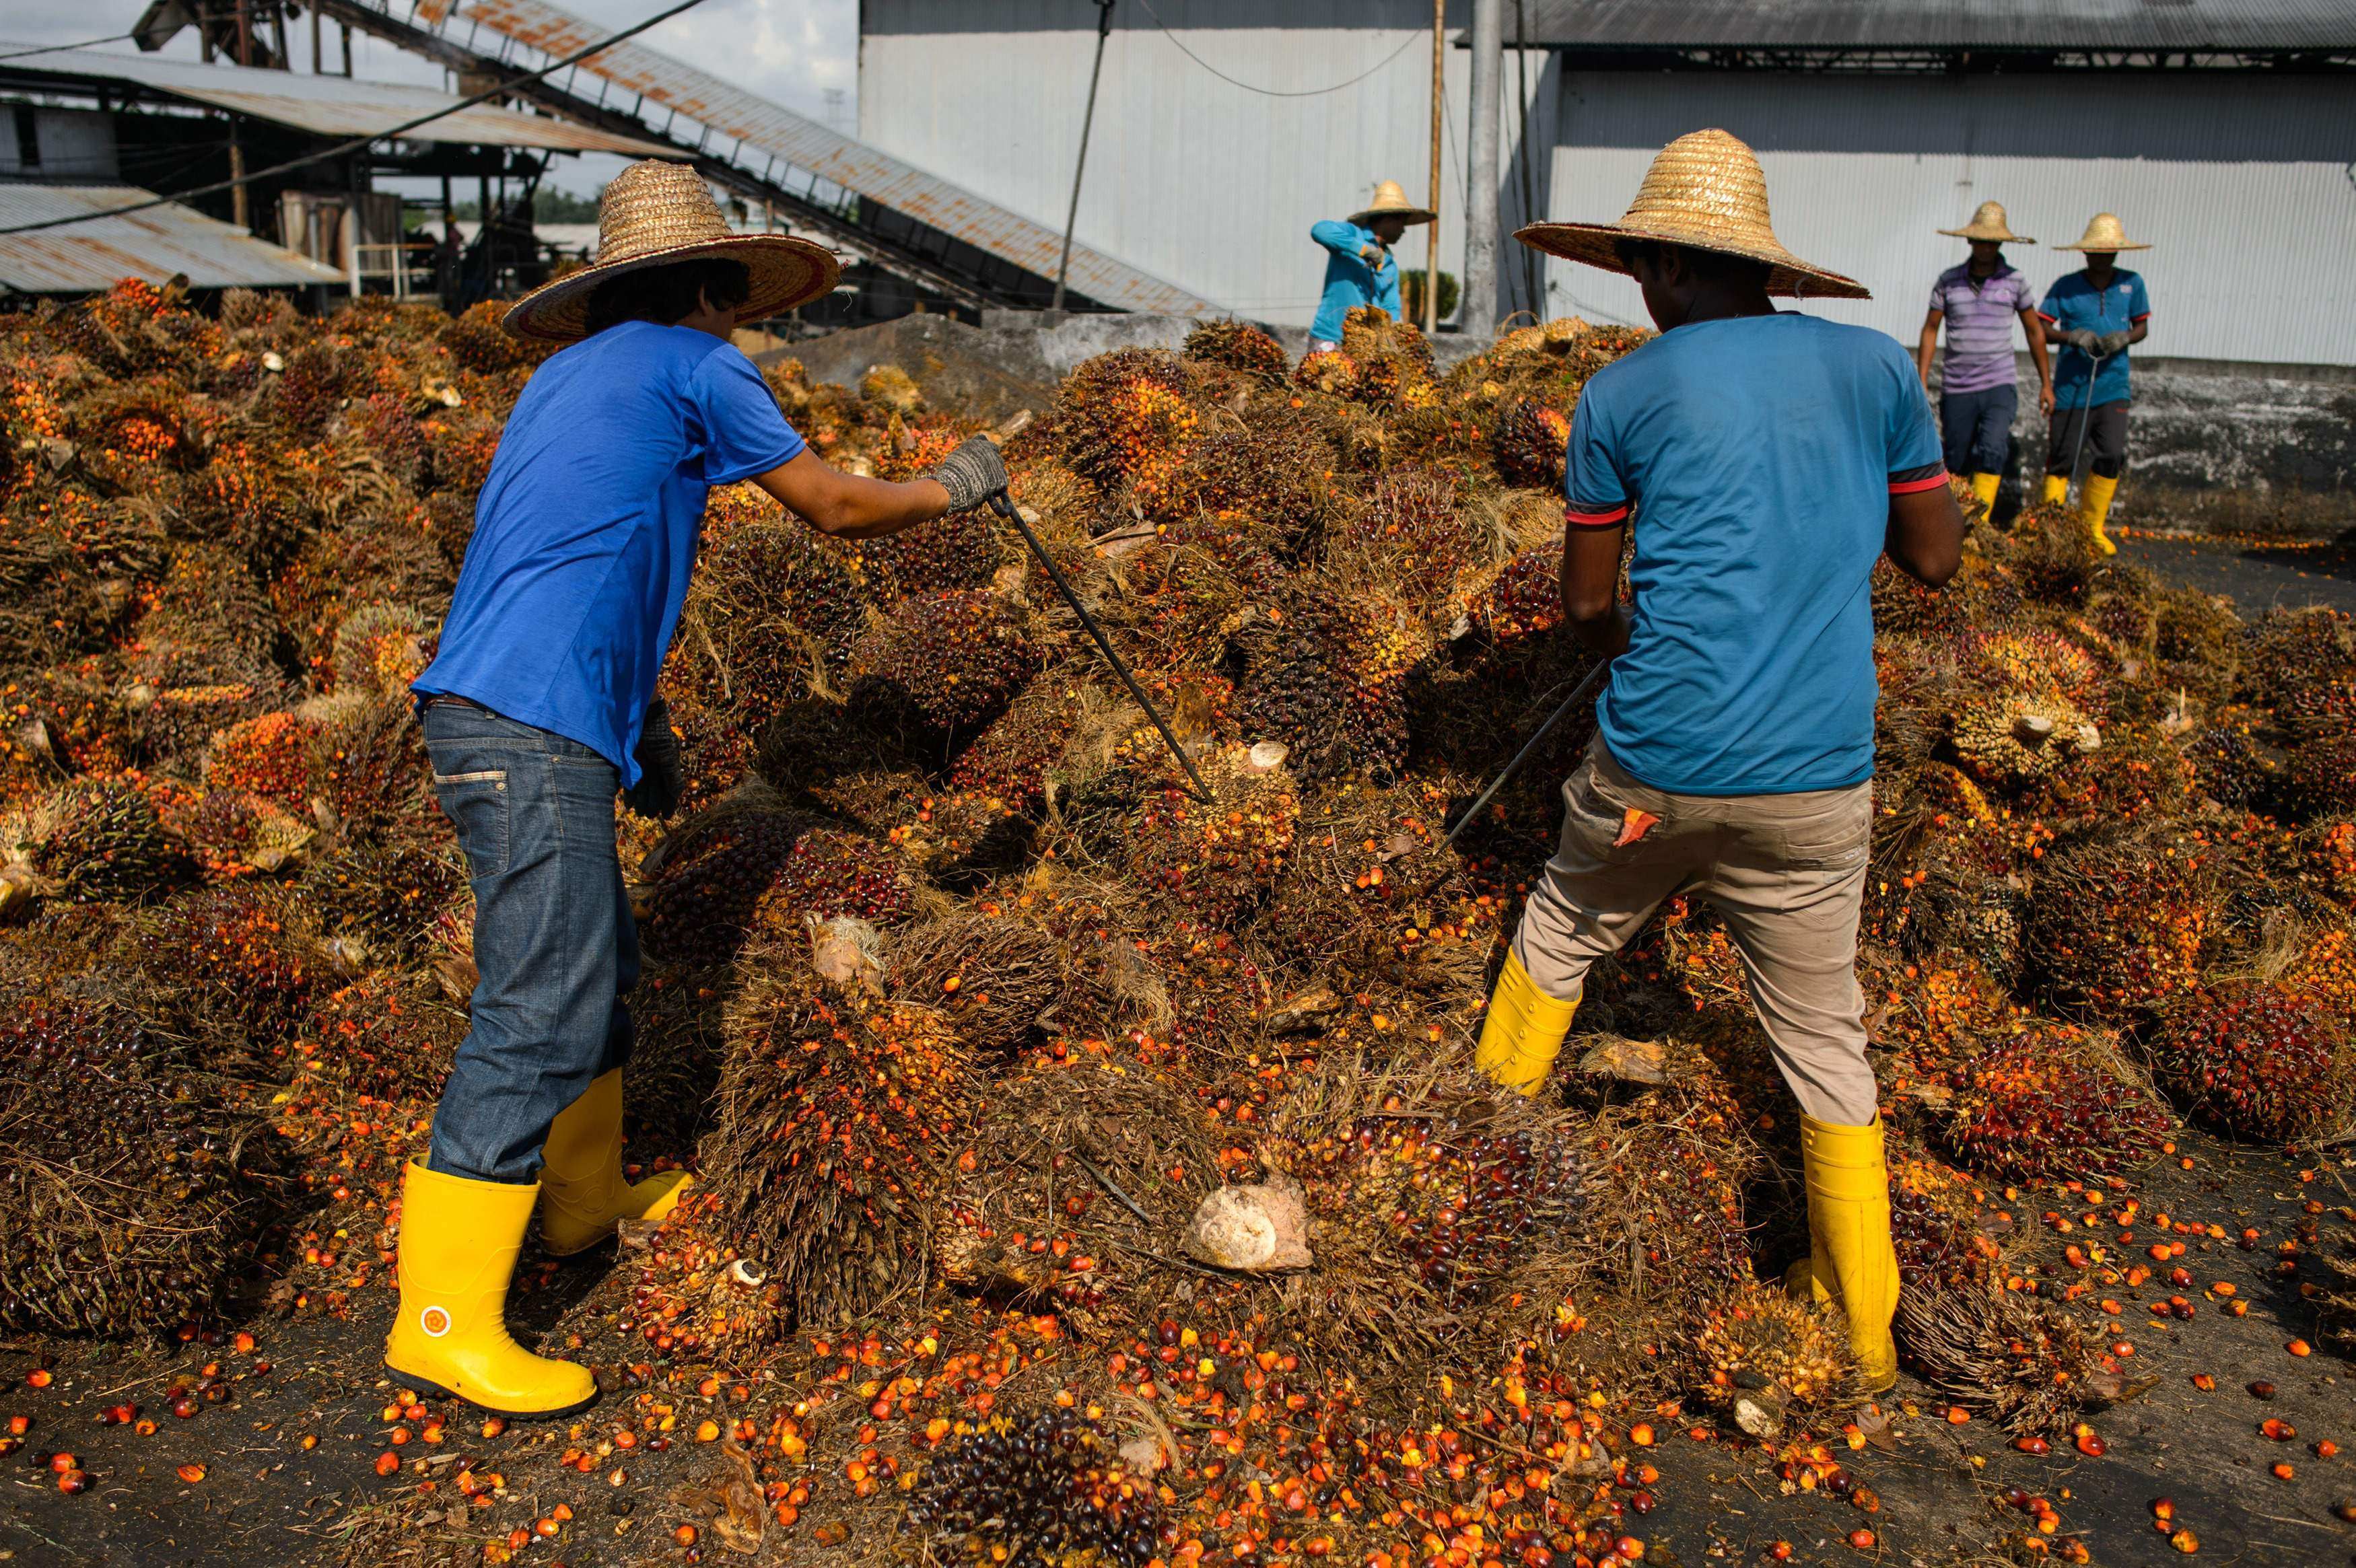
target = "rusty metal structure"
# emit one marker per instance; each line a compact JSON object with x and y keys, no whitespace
{"x":938,"y":236}
{"x":88,"y":257}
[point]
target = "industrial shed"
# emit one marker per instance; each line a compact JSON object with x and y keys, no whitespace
{"x":2219,"y":130}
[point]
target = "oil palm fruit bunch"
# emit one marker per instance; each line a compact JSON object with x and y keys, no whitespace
{"x":477,"y":342}
{"x":232,"y":834}
{"x":1531,"y":444}
{"x":949,"y":663}
{"x":130,"y":435}
{"x":1239,"y":346}
{"x":208,"y":623}
{"x":380,"y":648}
{"x":2037,"y":1108}
{"x":952,"y":554}
{"x":272,"y":755}
{"x":841,"y":1118}
{"x":1934,"y":1225}
{"x":1123,"y":421}
{"x":1764,"y":1358}
{"x":1331,"y":682}
{"x":383,"y":1038}
{"x":2117,"y":924}
{"x":2326,"y":970}
{"x":1412,"y":530}
{"x":1279,"y":475}
{"x":247,"y":955}
{"x":2302,"y":664}
{"x":1524,"y":599}
{"x":772,"y":600}
{"x":2009,"y":737}
{"x":2256,"y":1061}
{"x":2322,"y":774}
{"x":1393,"y":357}
{"x":1042,"y":1489}
{"x":1218,"y":858}
{"x":2232,"y":766}
{"x":60,"y":720}
{"x":764,"y":868}
{"x":371,"y":769}
{"x":128,"y":1197}
{"x":87,"y":840}
{"x":2337,"y":1305}
{"x":989,"y":976}
{"x":2028,"y":1364}
{"x":174,"y":725}
{"x":1006,"y":768}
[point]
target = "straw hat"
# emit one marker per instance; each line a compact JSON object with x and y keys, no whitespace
{"x":2104,"y":232}
{"x":653,"y":214}
{"x":1390,"y":201}
{"x":1988,"y":223}
{"x":1705,"y":189}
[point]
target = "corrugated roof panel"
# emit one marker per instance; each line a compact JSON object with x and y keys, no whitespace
{"x":733,"y":115}
{"x":331,"y":105}
{"x":153,"y":244}
{"x":2222,"y":26}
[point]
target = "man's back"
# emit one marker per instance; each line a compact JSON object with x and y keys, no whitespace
{"x":1759,"y":453}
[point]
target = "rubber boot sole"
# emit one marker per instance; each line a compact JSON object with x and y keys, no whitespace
{"x":426,"y":1387}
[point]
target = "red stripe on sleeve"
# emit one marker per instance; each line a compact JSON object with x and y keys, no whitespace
{"x":1909,"y":486}
{"x":2049,"y":320}
{"x":1576,"y":519}
{"x":2145,"y":316}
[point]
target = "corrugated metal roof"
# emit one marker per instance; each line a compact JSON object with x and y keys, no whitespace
{"x":2225,"y":26}
{"x":153,"y":244}
{"x":329,"y":105}
{"x":756,"y":124}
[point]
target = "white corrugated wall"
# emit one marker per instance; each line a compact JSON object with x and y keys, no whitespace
{"x":2243,"y":184}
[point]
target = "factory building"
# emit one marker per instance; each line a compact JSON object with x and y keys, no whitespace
{"x":2220,"y":131}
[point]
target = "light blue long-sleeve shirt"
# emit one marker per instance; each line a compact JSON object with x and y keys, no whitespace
{"x":1349,"y":282}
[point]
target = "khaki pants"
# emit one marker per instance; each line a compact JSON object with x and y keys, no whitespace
{"x":1785,"y":872}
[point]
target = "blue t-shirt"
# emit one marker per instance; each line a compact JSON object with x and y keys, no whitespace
{"x":1349,"y":282}
{"x":2071,"y":303}
{"x":586,"y":530}
{"x":1758,"y":455}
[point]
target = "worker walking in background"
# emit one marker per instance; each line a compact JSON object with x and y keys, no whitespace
{"x":1361,"y":270}
{"x":540,"y":706}
{"x":1977,"y":300}
{"x":1768,"y":459}
{"x":2095,"y":312}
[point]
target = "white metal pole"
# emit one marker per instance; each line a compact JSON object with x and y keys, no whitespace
{"x":1087,"y":121}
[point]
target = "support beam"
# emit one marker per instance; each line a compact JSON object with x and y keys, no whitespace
{"x":1478,"y":313}
{"x":1432,"y":230}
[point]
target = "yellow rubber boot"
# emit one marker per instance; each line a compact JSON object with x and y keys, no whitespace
{"x":1983,"y":486}
{"x":2094,"y":505}
{"x":458,"y":1246}
{"x":1852,"y":1262}
{"x":582,"y":1193}
{"x":1524,"y":1032}
{"x":2057,"y":489}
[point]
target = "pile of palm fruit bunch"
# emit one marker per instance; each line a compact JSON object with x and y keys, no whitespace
{"x":1139,"y":1089}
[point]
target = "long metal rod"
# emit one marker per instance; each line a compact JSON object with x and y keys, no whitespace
{"x":1079,"y":167}
{"x":1580,"y":694}
{"x":1007,"y":509}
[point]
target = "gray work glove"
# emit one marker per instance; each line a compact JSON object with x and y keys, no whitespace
{"x":662,"y":779}
{"x":972,"y":473}
{"x":2111,"y":342}
{"x":2080,"y":338}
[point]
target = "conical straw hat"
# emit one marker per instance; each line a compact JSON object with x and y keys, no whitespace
{"x":1704,"y":190}
{"x":655,"y":213}
{"x":1988,"y":223}
{"x":2104,"y":232}
{"x":1390,"y":201}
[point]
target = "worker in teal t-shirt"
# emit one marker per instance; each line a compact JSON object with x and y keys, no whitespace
{"x":1361,"y":270}
{"x":540,"y":708}
{"x":1759,"y":463}
{"x":2096,"y":313}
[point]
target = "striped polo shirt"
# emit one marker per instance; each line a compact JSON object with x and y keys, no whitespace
{"x":1979,"y":325}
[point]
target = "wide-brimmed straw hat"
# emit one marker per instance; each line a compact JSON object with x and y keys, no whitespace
{"x":653,"y":214}
{"x":1988,"y":223}
{"x":1390,"y":201}
{"x":1704,"y":190}
{"x":2104,"y":232}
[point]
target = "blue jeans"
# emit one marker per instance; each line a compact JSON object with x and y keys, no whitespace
{"x":1977,"y":428}
{"x":553,"y":938}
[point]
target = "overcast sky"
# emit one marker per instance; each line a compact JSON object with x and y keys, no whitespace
{"x":793,"y":51}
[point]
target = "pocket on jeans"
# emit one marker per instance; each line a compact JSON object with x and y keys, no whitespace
{"x":478,"y":806}
{"x":1593,"y":818}
{"x":1835,"y":839}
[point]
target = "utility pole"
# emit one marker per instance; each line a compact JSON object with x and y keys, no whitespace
{"x":1431,"y":230}
{"x":318,"y":64}
{"x":1478,"y":314}
{"x":1087,"y":121}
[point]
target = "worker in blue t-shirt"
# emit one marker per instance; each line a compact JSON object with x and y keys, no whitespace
{"x":539,"y":706}
{"x":2096,"y":313}
{"x":1762,"y":460}
{"x":1361,"y":269}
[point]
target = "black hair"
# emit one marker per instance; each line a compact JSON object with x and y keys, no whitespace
{"x":669,"y":295}
{"x":1708,"y":266}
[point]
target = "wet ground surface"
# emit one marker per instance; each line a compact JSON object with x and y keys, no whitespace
{"x":2256,"y":574}
{"x":291,"y":1455}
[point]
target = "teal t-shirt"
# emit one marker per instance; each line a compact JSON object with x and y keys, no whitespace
{"x":585,"y":533}
{"x":1758,"y":456}
{"x":1349,"y":280}
{"x":2073,"y":302}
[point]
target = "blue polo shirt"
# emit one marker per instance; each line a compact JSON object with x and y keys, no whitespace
{"x":1758,"y":456}
{"x":585,"y":533}
{"x":1349,"y":282}
{"x":2073,"y":303}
